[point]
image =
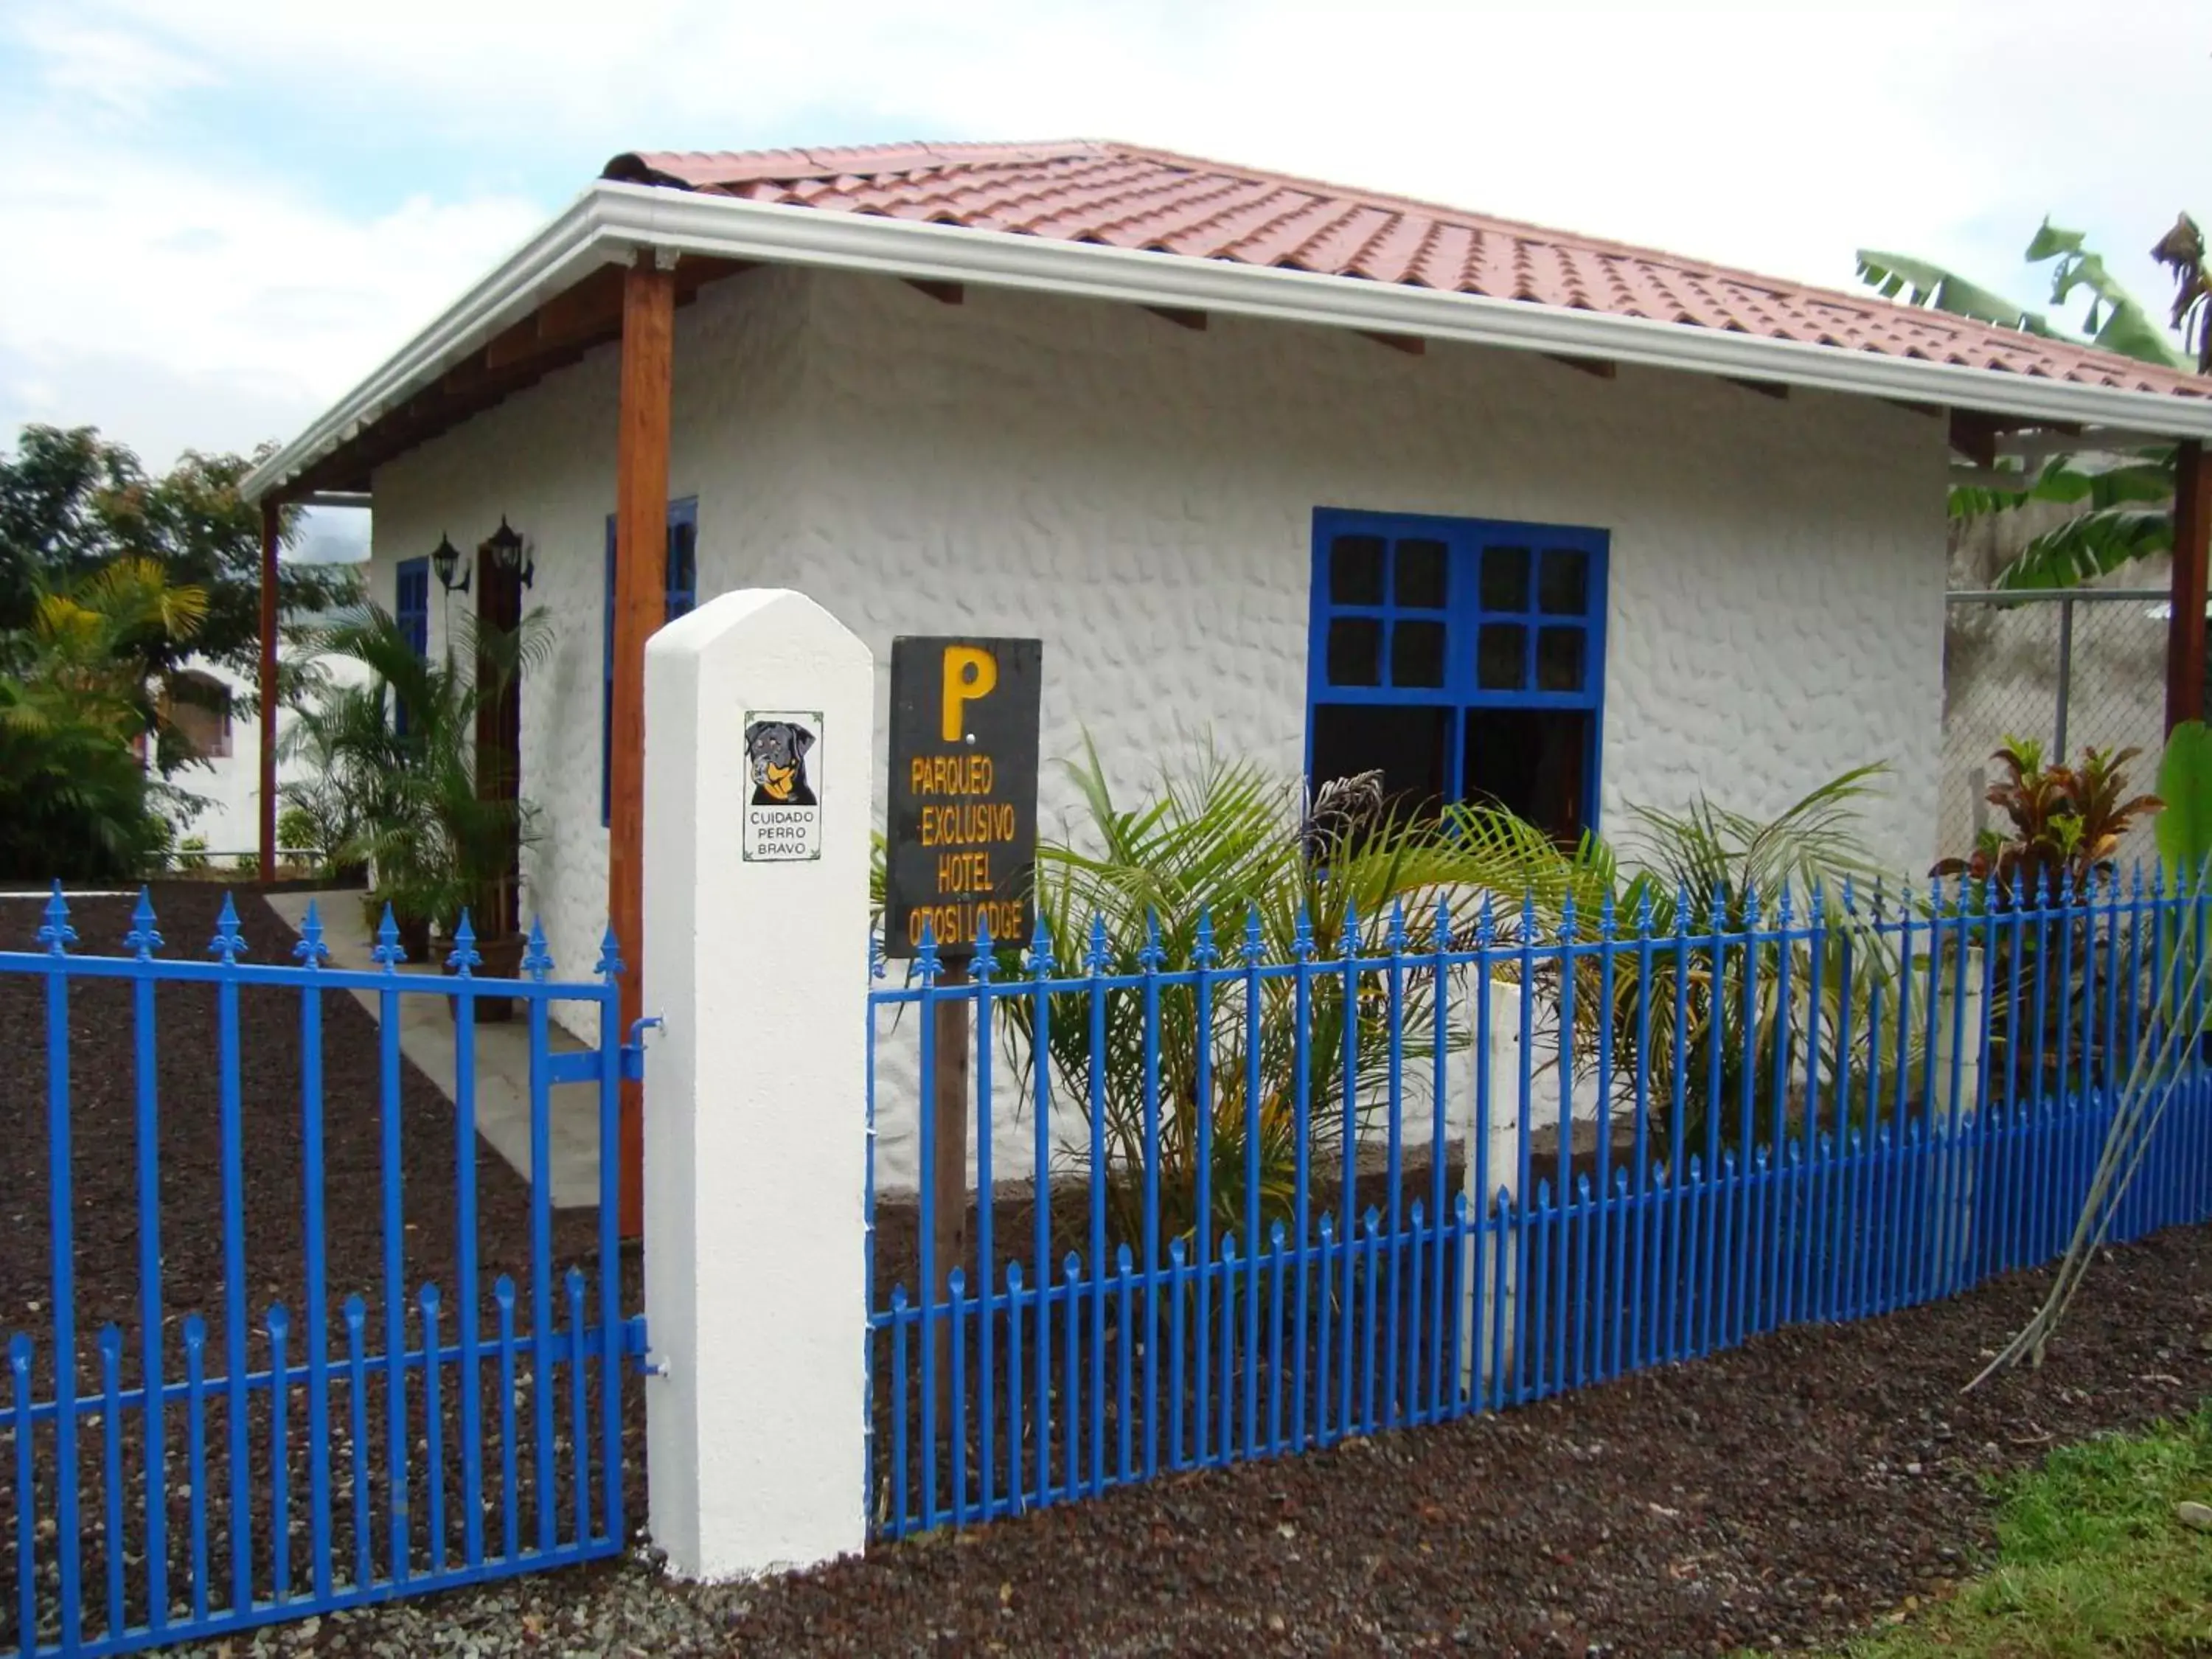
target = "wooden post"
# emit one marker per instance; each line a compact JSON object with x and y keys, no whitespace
{"x":2184,"y":634}
{"x":948,"y":1175}
{"x":648,"y":332}
{"x":272,"y":525}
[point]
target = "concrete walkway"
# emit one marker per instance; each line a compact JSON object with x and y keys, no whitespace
{"x":426,"y":1037}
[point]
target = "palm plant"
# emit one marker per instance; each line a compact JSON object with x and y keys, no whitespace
{"x":75,"y":799}
{"x":2123,"y":502}
{"x":1227,"y":864}
{"x":1768,"y":966}
{"x":398,"y":783}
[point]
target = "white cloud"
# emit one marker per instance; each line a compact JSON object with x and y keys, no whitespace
{"x":1776,"y":137}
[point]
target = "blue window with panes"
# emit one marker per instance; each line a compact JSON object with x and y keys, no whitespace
{"x":410,"y":610}
{"x":682,"y":593}
{"x":1463,"y":659}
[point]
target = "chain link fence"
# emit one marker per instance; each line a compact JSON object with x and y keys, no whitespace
{"x":2075,"y":669}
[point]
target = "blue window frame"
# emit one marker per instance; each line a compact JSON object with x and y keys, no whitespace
{"x":410,"y":610}
{"x":1463,"y":658}
{"x":681,"y":594}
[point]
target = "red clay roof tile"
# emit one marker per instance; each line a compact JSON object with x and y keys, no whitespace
{"x":1126,"y":196}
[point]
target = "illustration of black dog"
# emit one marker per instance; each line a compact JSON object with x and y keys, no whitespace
{"x":776,"y":752}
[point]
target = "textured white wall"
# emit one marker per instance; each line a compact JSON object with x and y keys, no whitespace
{"x":229,"y":821}
{"x":1141,"y":497}
{"x":546,"y":458}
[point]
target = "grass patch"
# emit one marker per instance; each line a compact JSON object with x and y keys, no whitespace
{"x":2090,"y":1560}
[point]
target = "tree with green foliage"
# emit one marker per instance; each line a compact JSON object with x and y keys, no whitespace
{"x":2124,"y":503}
{"x":75,"y":801}
{"x":73,"y":503}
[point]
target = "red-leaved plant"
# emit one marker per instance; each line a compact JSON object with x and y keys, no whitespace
{"x":2066,"y":822}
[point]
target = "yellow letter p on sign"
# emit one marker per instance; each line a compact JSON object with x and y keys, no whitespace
{"x":969,"y":673}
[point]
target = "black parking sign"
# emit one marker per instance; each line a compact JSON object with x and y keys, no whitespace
{"x":964,"y":772}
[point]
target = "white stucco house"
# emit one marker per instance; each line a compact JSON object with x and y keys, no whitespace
{"x":1338,"y":479}
{"x":223,"y":783}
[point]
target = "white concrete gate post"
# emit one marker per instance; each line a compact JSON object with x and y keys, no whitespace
{"x":756,"y":1151}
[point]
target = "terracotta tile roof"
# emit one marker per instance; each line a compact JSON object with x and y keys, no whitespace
{"x":1125,"y":196}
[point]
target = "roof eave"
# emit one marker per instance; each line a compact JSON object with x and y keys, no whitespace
{"x":609,"y":221}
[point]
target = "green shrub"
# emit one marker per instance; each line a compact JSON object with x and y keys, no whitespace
{"x":192,"y":854}
{"x":295,"y":832}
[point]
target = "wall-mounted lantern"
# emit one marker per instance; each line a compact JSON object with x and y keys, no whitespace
{"x":505,"y":549}
{"x":445,"y":559}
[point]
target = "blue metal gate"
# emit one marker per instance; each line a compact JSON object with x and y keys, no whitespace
{"x":340,"y":1409}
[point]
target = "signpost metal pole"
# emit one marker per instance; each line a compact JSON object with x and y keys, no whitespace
{"x":948,"y":1179}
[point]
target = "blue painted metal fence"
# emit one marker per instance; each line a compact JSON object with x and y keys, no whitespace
{"x":1821,"y":1113}
{"x":203,"y":1468}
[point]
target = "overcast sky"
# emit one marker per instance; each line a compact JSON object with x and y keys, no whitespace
{"x":218,"y":216}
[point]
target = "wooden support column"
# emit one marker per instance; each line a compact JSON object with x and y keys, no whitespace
{"x":648,"y":330}
{"x":2185,"y":630}
{"x":271,"y":529}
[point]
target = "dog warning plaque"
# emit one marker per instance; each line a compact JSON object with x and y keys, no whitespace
{"x":783,"y":793}
{"x":964,"y":763}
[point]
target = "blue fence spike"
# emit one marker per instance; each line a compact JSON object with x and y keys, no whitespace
{"x":1751,"y":910}
{"x":311,"y":950}
{"x":1934,"y":892}
{"x":1528,"y":915}
{"x":1204,"y":953}
{"x":1643,"y":908}
{"x":1605,"y":917}
{"x":1039,"y":961}
{"x":387,"y":951}
{"x":925,"y":959}
{"x":1255,"y":949}
{"x":464,"y":957}
{"x":1850,"y":896}
{"x":1302,"y":935}
{"x":1782,"y":916}
{"x":1440,"y":927}
{"x":1350,"y":942}
{"x":142,"y":941}
{"x":227,"y":944}
{"x":1486,"y":924}
{"x":1716,"y":909}
{"x":1567,"y":921}
{"x":986,"y":950}
{"x":1150,"y":956}
{"x":1394,"y":936}
{"x":610,"y":964}
{"x":58,"y":935}
{"x":1097,"y":958}
{"x":537,"y":960}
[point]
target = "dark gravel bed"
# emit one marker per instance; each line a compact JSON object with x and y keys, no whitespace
{"x":1780,"y":1494}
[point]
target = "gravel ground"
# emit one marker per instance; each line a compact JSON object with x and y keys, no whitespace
{"x":1781,"y":1494}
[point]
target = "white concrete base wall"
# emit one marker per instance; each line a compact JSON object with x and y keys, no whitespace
{"x":1141,"y":497}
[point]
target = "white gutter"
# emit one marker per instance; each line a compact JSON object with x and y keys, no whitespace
{"x":610,"y":221}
